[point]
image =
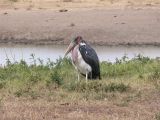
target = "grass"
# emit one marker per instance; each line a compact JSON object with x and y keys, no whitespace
{"x":124,"y":83}
{"x":21,"y":79}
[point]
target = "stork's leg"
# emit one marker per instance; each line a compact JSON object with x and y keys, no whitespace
{"x":77,"y":72}
{"x":86,"y":77}
{"x":78,"y":75}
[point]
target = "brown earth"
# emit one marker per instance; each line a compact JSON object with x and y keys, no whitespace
{"x":129,"y":26}
{"x":74,"y":4}
{"x":142,"y":108}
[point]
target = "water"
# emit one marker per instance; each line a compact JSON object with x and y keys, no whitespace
{"x":105,"y":53}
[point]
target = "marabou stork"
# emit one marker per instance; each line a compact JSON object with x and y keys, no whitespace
{"x":84,"y":58}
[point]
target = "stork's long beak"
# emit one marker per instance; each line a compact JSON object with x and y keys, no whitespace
{"x":70,"y":47}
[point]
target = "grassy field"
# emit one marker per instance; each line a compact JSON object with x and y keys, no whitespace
{"x":129,"y":89}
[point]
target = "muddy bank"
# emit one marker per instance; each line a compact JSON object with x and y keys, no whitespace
{"x":97,"y":26}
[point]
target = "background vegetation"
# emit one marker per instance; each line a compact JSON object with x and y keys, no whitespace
{"x":60,"y":78}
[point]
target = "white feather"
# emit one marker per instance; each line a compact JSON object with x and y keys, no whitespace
{"x":82,"y":43}
{"x":81,"y":65}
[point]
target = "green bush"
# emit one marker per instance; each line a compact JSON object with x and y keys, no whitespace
{"x":2,"y":84}
{"x":155,"y":75}
{"x":56,"y":78}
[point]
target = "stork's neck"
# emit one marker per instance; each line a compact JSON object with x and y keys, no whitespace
{"x":74,"y":48}
{"x":81,"y":43}
{"x":75,"y":53}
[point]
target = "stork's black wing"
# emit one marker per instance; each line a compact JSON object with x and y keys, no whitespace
{"x":90,"y":57}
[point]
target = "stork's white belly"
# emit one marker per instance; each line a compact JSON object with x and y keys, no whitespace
{"x":81,"y":65}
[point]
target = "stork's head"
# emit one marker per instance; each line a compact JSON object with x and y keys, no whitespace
{"x":73,"y":43}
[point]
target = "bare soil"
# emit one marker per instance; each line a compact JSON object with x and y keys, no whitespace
{"x":129,"y":26}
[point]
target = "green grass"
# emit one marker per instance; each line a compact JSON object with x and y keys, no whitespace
{"x":59,"y":78}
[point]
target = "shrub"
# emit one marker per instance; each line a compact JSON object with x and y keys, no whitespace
{"x":56,"y":78}
{"x":2,"y":84}
{"x":155,"y":75}
{"x":34,"y":77}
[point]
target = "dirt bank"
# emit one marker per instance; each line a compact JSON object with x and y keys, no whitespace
{"x":98,"y":26}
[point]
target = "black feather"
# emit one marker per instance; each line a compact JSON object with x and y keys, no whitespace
{"x":90,"y":57}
